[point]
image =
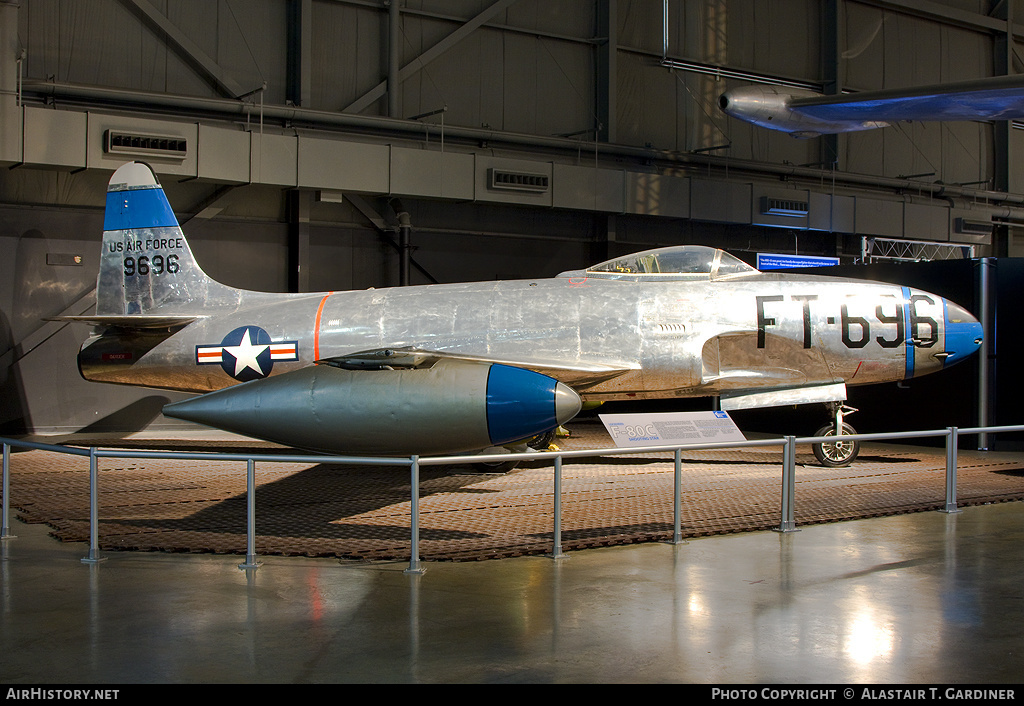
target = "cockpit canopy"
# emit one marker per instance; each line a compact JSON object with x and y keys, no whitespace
{"x":685,"y":262}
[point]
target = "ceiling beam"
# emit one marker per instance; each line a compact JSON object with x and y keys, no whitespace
{"x":947,"y":15}
{"x":606,"y":88}
{"x":186,"y":48}
{"x":378,"y":91}
{"x":299,"y":29}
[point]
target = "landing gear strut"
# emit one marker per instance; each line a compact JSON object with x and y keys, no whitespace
{"x":837,"y":453}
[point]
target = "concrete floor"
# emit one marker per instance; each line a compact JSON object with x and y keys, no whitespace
{"x":920,"y":598}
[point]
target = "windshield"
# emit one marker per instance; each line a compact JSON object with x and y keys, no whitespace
{"x":731,"y":265}
{"x":684,"y":262}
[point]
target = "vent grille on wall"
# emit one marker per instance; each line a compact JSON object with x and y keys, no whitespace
{"x":517,"y":181}
{"x":117,"y":142}
{"x":783,"y":207}
{"x":964,"y":225}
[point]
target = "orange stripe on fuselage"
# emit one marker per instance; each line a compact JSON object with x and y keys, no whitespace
{"x":316,"y":327}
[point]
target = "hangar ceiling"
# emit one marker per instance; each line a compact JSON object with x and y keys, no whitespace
{"x":295,"y":94}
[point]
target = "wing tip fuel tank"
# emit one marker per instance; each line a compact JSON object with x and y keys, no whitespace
{"x":519,"y":401}
{"x":452,"y":407}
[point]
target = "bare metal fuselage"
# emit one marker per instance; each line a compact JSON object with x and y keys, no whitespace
{"x":664,"y":338}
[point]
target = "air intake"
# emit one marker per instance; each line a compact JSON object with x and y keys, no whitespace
{"x":117,"y":142}
{"x":517,"y":181}
{"x":783,"y":207}
{"x":964,"y":225}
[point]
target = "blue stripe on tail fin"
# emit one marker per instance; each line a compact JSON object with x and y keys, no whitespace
{"x":135,"y":199}
{"x":145,"y":207}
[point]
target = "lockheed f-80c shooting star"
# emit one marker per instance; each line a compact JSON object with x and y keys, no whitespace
{"x":453,"y":368}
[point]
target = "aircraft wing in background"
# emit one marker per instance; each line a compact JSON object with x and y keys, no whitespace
{"x":808,"y":114}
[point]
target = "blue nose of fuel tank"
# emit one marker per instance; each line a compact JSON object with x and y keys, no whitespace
{"x":963,"y":334}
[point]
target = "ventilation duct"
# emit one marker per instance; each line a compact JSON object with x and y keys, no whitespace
{"x":967,"y":226}
{"x":783,"y":207}
{"x":517,"y":181}
{"x":118,"y":142}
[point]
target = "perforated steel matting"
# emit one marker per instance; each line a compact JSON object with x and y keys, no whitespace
{"x":363,"y":512}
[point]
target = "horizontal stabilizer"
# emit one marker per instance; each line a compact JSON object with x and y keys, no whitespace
{"x":138,"y":321}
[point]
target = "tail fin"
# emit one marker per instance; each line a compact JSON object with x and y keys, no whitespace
{"x":146,"y":265}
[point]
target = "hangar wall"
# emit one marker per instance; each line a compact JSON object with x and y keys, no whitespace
{"x":295,"y":155}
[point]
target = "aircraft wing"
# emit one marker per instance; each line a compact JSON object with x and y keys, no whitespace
{"x":780,"y":396}
{"x":997,"y":98}
{"x":578,"y":376}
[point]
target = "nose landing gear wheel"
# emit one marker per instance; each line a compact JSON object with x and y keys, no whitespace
{"x":834,"y":454}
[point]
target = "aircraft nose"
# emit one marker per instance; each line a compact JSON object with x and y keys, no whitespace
{"x":963,"y":333}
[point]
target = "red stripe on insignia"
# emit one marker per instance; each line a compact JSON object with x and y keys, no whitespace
{"x":286,"y":351}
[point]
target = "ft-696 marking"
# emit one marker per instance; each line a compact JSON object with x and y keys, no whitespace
{"x":856,"y":330}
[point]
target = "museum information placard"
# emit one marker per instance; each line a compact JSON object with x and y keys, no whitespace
{"x":670,"y":428}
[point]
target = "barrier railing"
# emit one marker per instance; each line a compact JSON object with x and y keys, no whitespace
{"x":787,"y":521}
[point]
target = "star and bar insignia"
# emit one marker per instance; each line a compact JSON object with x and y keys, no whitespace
{"x":247,"y":353}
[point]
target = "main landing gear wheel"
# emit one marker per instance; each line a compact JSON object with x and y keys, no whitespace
{"x":541,"y":442}
{"x":834,"y":454}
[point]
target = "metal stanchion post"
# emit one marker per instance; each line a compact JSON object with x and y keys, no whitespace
{"x":788,"y":521}
{"x":414,"y":522}
{"x":677,"y":489}
{"x":94,"y":552}
{"x":556,"y":549}
{"x":5,"y":530}
{"x":250,"y":521}
{"x":986,"y":271}
{"x":951,"y":462}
